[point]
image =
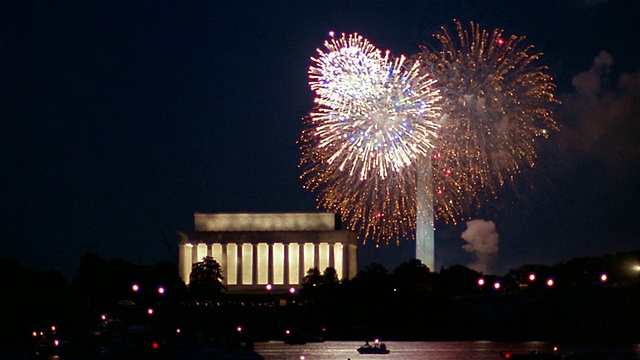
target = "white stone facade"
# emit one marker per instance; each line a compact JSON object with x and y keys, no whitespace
{"x":255,"y":250}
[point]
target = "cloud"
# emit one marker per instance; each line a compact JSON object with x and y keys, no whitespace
{"x":600,"y":118}
{"x":482,"y":242}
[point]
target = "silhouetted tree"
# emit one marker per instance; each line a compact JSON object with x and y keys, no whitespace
{"x":319,"y":286}
{"x":313,"y":278}
{"x":411,"y":277}
{"x":330,"y":277}
{"x":311,"y":285}
{"x":458,"y":280}
{"x":166,"y":275}
{"x":205,"y":280}
{"x":30,"y":296}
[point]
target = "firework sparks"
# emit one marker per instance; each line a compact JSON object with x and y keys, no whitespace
{"x":496,"y":104}
{"x":377,"y":208}
{"x":374,"y":115}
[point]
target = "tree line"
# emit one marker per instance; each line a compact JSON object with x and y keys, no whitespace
{"x":410,"y":302}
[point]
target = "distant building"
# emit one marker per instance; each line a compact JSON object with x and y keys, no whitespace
{"x":259,"y":249}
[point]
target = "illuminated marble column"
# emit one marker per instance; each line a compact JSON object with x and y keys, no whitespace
{"x":353,"y":260}
{"x":201,"y":252}
{"x":270,"y":264}
{"x":338,"y":257}
{"x":239,"y":264}
{"x":254,"y":264}
{"x":185,"y":258}
{"x":194,"y":254}
{"x":285,"y":265}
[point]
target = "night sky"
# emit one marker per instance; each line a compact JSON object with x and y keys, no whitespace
{"x":119,"y":120}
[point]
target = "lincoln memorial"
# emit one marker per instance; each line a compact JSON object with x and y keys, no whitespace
{"x":257,"y":249}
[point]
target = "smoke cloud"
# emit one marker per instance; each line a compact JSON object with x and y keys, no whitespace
{"x":601,"y":116}
{"x":482,"y":242}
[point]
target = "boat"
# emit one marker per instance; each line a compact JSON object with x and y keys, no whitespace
{"x":376,"y":348}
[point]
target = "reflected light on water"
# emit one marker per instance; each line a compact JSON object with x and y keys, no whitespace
{"x":402,"y":350}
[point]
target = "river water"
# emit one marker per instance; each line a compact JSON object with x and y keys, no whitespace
{"x":442,"y":350}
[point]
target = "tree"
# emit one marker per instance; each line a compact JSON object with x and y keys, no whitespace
{"x":411,"y":277}
{"x":330,"y":276}
{"x":205,"y":280}
{"x":313,"y":278}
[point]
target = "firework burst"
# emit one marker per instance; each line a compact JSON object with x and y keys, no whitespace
{"x":496,"y":104}
{"x":374,"y":115}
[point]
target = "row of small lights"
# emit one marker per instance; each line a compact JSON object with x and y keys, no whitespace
{"x":270,"y":287}
{"x":161,"y":289}
{"x":532,"y":277}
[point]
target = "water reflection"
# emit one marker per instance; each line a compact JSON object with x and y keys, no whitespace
{"x":480,"y":350}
